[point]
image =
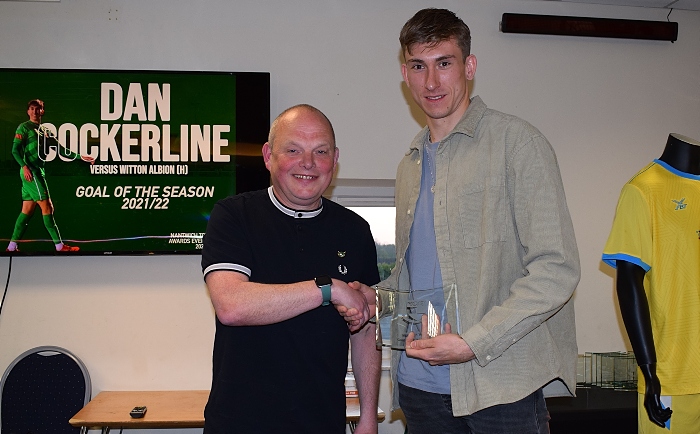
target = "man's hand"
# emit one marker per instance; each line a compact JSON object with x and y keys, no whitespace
{"x":369,"y":293}
{"x":87,"y":159}
{"x":351,"y":304}
{"x":652,"y":396}
{"x":27,"y":173}
{"x":352,"y":315}
{"x":443,"y":349}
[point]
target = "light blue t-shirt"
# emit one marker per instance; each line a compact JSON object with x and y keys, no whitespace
{"x":426,"y":281}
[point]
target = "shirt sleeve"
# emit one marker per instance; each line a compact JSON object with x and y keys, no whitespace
{"x":18,"y":145}
{"x":550,"y":259}
{"x":225,"y":244}
{"x":630,"y":237}
{"x":371,"y":272}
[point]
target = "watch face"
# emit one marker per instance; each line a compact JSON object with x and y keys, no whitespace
{"x":323,"y":280}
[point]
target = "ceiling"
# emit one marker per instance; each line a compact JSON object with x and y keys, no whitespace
{"x":691,"y":5}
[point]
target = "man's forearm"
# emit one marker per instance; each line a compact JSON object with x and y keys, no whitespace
{"x":366,"y":367}
{"x":240,"y":303}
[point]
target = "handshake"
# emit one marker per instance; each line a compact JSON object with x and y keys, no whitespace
{"x":355,"y":301}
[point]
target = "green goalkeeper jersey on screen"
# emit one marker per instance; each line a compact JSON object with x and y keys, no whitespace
{"x":31,"y":147}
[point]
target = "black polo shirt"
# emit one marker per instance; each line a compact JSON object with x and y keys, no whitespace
{"x":289,"y":376}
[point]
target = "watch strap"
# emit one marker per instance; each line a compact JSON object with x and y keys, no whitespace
{"x":324,"y":283}
{"x":326,"y":293}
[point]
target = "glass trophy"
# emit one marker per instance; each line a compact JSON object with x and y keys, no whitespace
{"x":407,"y":309}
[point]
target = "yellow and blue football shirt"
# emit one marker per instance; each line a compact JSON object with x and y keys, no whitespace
{"x":657,"y":227}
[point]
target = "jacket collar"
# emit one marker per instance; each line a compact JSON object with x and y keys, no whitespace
{"x":467,"y":125}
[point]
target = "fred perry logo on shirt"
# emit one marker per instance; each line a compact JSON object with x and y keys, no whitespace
{"x":679,"y":204}
{"x":342,"y":269}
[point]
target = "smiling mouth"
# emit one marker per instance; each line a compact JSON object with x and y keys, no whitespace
{"x":305,"y":177}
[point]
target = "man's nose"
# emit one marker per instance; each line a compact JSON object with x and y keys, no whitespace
{"x":432,"y":81}
{"x":307,"y":160}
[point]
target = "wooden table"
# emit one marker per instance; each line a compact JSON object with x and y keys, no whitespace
{"x":166,"y":409}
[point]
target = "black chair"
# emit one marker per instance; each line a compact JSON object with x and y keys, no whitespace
{"x":41,"y":390}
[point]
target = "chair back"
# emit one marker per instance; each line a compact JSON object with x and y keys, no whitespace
{"x":41,"y":390}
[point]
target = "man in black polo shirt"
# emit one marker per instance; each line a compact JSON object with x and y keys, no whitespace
{"x":276,"y":262}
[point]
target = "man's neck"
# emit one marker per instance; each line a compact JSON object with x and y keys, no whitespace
{"x":440,"y":128}
{"x":682,"y":153}
{"x":438,"y":132}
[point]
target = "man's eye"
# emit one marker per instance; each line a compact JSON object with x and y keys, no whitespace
{"x":444,"y":64}
{"x":417,"y":66}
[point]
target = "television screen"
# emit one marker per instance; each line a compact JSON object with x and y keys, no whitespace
{"x":124,"y":162}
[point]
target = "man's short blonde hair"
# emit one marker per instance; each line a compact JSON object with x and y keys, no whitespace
{"x":307,"y":107}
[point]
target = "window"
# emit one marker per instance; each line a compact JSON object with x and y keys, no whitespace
{"x":373,"y":199}
{"x":381,"y":221}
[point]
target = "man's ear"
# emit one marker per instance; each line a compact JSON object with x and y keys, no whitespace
{"x":404,"y":73}
{"x":470,"y":67}
{"x":267,"y":153}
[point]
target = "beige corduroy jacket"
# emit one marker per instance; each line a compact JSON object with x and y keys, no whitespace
{"x":506,"y":244}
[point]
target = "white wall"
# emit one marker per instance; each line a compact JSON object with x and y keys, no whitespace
{"x":606,"y":105}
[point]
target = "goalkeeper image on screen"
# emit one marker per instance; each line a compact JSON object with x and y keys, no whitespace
{"x":30,"y":147}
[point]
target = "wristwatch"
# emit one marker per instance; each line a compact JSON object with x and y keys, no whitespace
{"x":324,"y":283}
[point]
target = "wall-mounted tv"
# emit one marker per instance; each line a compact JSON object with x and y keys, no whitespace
{"x":166,"y":146}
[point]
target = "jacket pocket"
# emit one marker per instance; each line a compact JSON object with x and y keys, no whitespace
{"x":482,"y":214}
